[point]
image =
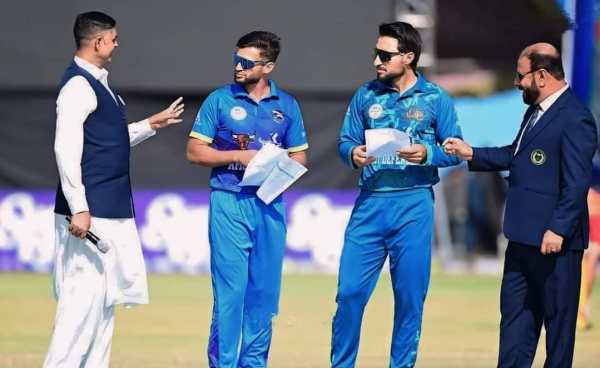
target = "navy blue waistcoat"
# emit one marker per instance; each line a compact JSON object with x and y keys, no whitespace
{"x":105,"y":159}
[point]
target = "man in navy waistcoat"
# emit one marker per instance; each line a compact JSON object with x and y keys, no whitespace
{"x":92,"y":146}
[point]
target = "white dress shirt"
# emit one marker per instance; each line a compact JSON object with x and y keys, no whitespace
{"x":549,"y":101}
{"x":75,"y":102}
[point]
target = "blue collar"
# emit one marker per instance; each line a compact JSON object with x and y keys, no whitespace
{"x":420,"y":86}
{"x":239,"y":91}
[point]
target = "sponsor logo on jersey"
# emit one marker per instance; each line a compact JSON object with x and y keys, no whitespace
{"x":238,"y":113}
{"x":243,"y":140}
{"x":415,"y":114}
{"x":375,"y":111}
{"x":277,"y":116}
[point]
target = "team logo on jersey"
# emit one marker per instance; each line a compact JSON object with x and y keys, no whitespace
{"x":238,"y":113}
{"x":273,"y":139}
{"x":375,"y":111}
{"x":538,"y":157}
{"x":243,"y":140}
{"x":277,"y":116}
{"x":415,"y":114}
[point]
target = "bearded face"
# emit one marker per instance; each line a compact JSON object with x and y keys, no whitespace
{"x":531,"y":93}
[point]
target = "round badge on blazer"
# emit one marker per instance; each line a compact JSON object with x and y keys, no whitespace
{"x":238,"y":113}
{"x":538,"y":157}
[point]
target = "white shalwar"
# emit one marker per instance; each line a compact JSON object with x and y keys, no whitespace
{"x":88,"y":284}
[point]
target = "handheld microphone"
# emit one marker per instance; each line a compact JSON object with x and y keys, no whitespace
{"x":102,"y":246}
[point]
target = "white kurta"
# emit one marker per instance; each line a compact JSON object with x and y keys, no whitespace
{"x":88,"y":283}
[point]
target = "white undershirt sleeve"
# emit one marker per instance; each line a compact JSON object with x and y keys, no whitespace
{"x":75,"y":102}
{"x":140,"y":131}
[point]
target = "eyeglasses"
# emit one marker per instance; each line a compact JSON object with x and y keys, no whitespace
{"x":519,"y":77}
{"x":247,"y":63}
{"x":385,"y":56}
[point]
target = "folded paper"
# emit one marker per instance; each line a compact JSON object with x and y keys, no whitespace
{"x":273,"y":171}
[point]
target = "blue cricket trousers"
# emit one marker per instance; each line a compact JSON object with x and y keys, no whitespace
{"x":398,"y":224}
{"x":247,"y":242}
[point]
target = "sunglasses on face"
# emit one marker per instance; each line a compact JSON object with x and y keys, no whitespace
{"x":385,"y":56}
{"x":246,"y":63}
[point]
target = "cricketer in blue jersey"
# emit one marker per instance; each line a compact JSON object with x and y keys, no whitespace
{"x":247,"y":237}
{"x":393,"y":215}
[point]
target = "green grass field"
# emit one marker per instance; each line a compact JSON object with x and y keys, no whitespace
{"x":460,"y":324}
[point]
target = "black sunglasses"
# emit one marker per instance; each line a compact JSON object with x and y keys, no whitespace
{"x":385,"y":56}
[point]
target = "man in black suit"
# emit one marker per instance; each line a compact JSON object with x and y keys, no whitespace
{"x":546,"y":217}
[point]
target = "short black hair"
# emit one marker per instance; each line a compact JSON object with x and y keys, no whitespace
{"x":409,"y":39}
{"x":552,"y":63}
{"x":90,"y":23}
{"x":267,"y":42}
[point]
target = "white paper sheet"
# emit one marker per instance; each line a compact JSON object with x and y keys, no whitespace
{"x":262,"y":164}
{"x":273,"y":171}
{"x":385,"y":142}
{"x":284,"y":174}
